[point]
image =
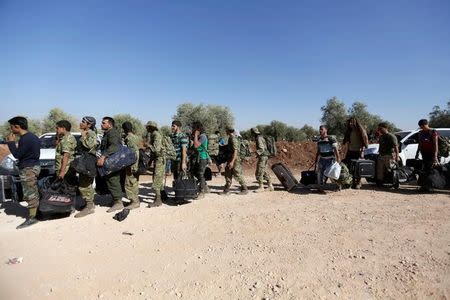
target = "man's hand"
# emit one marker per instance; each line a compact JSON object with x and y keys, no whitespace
{"x":61,"y":175}
{"x":231,"y":164}
{"x":184,"y":166}
{"x":101,"y":161}
{"x":11,"y":137}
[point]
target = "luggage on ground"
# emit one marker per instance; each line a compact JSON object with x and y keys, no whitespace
{"x":416,"y":164}
{"x":362,"y":168}
{"x":119,"y":160}
{"x":57,"y":198}
{"x":285,"y":176}
{"x":308,"y":177}
{"x":185,"y":188}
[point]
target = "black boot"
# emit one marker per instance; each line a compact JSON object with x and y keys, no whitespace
{"x":28,"y":222}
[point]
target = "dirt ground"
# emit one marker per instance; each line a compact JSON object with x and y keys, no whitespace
{"x":274,"y":245}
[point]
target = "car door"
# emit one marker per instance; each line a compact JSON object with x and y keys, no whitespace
{"x":409,"y":147}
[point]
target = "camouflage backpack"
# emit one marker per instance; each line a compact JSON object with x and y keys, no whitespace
{"x":244,"y":148}
{"x":213,"y":144}
{"x":168,"y":149}
{"x":443,"y":146}
{"x":271,"y":146}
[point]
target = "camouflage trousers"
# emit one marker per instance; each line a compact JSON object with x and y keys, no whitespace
{"x":86,"y":189}
{"x":132,"y":185}
{"x":28,"y":177}
{"x":261,"y":173}
{"x":159,"y":174}
{"x":235,"y":172}
{"x":385,"y":164}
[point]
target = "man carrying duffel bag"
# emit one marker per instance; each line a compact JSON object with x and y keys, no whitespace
{"x":110,"y":144}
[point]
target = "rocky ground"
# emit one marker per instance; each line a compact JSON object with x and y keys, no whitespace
{"x":273,"y":245}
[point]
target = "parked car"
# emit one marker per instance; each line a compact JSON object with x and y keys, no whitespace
{"x":408,"y":143}
{"x":10,"y":186}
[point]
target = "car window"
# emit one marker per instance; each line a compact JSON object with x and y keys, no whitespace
{"x":48,"y":141}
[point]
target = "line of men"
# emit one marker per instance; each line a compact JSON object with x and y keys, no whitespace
{"x":356,"y":140}
{"x":191,"y":156}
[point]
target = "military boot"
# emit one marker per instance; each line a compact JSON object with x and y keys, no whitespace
{"x":244,"y":190}
{"x":226,"y":191}
{"x":260,"y":188}
{"x":158,"y":200}
{"x":87,"y":210}
{"x":118,"y":205}
{"x":134,"y":204}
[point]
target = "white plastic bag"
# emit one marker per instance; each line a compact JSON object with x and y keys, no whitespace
{"x":333,"y":171}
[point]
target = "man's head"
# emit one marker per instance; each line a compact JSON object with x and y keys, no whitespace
{"x":151,"y":126}
{"x":63,"y":127}
{"x":107,"y":123}
{"x":18,"y":124}
{"x":197,"y":126}
{"x":383,"y":128}
{"x":127,"y":127}
{"x":255,"y":131}
{"x":323,"y":130}
{"x":176,"y":126}
{"x":423,"y":124}
{"x":87,"y":123}
{"x":229,"y":130}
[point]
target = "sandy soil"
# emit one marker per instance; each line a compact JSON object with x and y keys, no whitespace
{"x":275,"y":245}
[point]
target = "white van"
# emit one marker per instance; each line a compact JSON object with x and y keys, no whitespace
{"x":408,"y":143}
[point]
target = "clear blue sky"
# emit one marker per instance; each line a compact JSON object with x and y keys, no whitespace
{"x":266,"y":60}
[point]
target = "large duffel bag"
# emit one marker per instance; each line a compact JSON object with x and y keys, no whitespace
{"x":119,"y":160}
{"x":59,"y":198}
{"x":308,"y":177}
{"x":285,"y":176}
{"x":85,"y":164}
{"x":416,"y":164}
{"x":362,"y":168}
{"x":185,"y":188}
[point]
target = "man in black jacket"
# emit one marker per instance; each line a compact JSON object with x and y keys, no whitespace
{"x":27,"y":153}
{"x":111,"y":142}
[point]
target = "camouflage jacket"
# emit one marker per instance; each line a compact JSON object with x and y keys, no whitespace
{"x":88,"y":143}
{"x":132,"y":142}
{"x":67,"y":144}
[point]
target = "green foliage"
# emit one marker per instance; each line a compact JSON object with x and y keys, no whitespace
{"x":334,"y":115}
{"x":283,"y":132}
{"x":213,"y":117}
{"x":55,"y":115}
{"x":166,"y":130}
{"x":138,"y":126}
{"x":440,"y":117}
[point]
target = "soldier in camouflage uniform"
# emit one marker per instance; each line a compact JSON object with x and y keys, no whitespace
{"x":131,"y":177}
{"x":65,"y":151}
{"x":155,"y":144}
{"x":263,"y":158}
{"x":27,"y":153}
{"x":233,"y":167}
{"x":87,"y":144}
{"x":110,"y":144}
